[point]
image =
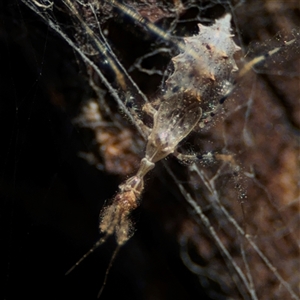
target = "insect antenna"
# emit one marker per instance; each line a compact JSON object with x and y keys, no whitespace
{"x":248,"y":67}
{"x":113,"y":257}
{"x":252,"y":63}
{"x":96,"y":245}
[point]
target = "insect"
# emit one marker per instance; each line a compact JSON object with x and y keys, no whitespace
{"x":195,"y":92}
{"x":178,"y":114}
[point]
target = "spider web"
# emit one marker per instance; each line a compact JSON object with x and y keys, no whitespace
{"x":52,"y":197}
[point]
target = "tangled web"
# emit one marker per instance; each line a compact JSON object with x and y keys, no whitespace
{"x":231,"y":217}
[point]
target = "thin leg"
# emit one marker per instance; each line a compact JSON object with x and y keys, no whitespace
{"x":149,"y":109}
{"x":192,"y":158}
{"x":205,"y":158}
